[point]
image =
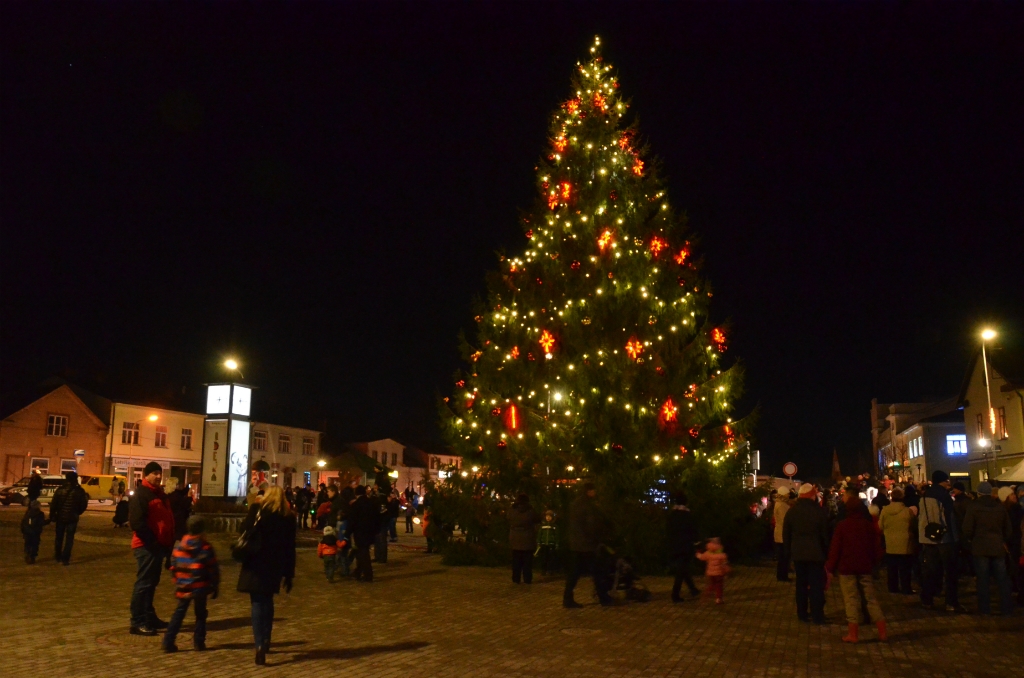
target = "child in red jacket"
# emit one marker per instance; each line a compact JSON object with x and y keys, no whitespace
{"x":196,"y":577}
{"x":327,"y":550}
{"x":717,"y":568}
{"x":856,"y":548}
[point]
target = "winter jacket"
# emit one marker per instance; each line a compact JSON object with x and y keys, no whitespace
{"x":69,"y":501}
{"x":364,"y":521}
{"x":328,"y":547}
{"x":680,"y":532}
{"x":779,"y":513}
{"x":547,"y":535}
{"x":895,"y":521}
{"x":32,"y":522}
{"x":394,"y":506}
{"x":150,"y":517}
{"x":586,"y":525}
{"x":35,"y":487}
{"x":805,"y":531}
{"x":275,"y":560}
{"x":936,"y":506}
{"x":337,"y":511}
{"x":987,"y":527}
{"x":522,"y":522}
{"x":717,"y":563}
{"x":856,"y":546}
{"x":195,"y":568}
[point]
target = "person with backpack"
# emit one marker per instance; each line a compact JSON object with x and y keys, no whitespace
{"x":937,"y":534}
{"x":68,"y":503}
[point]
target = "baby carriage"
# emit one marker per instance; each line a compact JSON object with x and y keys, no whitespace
{"x":621,"y":576}
{"x":121,"y":513}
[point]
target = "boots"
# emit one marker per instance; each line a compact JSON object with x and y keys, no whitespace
{"x":882,"y":636}
{"x":851,"y":633}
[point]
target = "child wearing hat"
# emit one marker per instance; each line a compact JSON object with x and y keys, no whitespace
{"x":717,"y":568}
{"x":327,"y":550}
{"x":32,"y":529}
{"x":196,"y":576}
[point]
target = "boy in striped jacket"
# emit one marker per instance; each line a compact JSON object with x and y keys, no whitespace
{"x":196,"y":577}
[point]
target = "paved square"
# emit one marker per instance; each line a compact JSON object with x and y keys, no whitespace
{"x":420,"y":618}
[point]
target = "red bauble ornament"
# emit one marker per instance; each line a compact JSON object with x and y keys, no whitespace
{"x":502,"y":444}
{"x":529,"y":356}
{"x":460,"y":383}
{"x":616,"y":448}
{"x":681,"y":281}
{"x":614,"y":195}
{"x":575,"y":265}
{"x":496,"y":412}
{"x":529,"y":234}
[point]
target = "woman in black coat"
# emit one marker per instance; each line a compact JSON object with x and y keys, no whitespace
{"x":273,"y":561}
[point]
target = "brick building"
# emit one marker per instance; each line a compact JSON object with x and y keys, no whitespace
{"x":64,"y":428}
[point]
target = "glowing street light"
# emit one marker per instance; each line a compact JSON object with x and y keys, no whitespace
{"x":321,"y":463}
{"x":987,"y":335}
{"x":233,"y":365}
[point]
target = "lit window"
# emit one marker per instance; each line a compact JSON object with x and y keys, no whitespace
{"x":41,"y":465}
{"x":307,"y":446}
{"x":56,"y":425}
{"x":68,"y":465}
{"x":186,"y":439}
{"x":259,"y":441}
{"x":160,"y":440}
{"x":1001,"y":423}
{"x":956,"y":444}
{"x":284,"y":444}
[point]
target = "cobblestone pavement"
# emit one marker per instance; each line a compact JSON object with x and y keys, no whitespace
{"x":420,"y":618}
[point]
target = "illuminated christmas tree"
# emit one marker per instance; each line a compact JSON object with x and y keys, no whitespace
{"x":595,"y":356}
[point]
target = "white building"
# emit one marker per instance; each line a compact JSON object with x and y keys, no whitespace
{"x":414,"y":466}
{"x":139,"y":434}
{"x":1002,"y":427}
{"x":291,"y":452}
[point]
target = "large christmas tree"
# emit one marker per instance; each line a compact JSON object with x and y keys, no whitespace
{"x":595,"y":356}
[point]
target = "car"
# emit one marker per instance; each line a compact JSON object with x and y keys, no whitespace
{"x":98,"y":487}
{"x":18,"y":492}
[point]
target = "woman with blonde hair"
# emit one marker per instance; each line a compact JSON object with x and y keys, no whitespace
{"x":271,"y":561}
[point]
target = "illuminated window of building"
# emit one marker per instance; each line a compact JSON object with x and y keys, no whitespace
{"x":307,"y":446}
{"x":160,"y":439}
{"x":259,"y":441}
{"x":129,"y":433}
{"x":1001,"y":423}
{"x":186,"y":439}
{"x":956,"y":444}
{"x":284,"y":444}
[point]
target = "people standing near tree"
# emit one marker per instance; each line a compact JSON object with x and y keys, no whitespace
{"x":364,"y":517}
{"x":196,"y":578}
{"x":32,"y":530}
{"x":855,"y":550}
{"x":896,"y":522}
{"x":547,"y":538}
{"x":938,"y":537}
{"x":181,"y":507}
{"x":68,"y":503}
{"x":805,"y":539}
{"x":522,"y":537}
{"x":35,"y":486}
{"x":586,"y":525}
{"x":681,"y":537}
{"x":987,"y":529}
{"x":717,"y":567}
{"x":152,"y":524}
{"x":272,"y":564}
{"x":782,"y":506}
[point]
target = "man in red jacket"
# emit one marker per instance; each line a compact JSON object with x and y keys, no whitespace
{"x":856,"y":547}
{"x":151,"y":519}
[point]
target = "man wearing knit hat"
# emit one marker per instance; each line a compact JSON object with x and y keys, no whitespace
{"x":151,"y":519}
{"x":805,"y":538}
{"x":937,"y":533}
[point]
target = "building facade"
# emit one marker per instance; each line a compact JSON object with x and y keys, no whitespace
{"x":413,"y":466}
{"x":911,"y":440}
{"x":140,"y":434}
{"x":995,"y":437}
{"x":63,"y":430}
{"x":290,"y":452}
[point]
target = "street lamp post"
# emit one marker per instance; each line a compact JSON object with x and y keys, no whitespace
{"x":986,"y":336}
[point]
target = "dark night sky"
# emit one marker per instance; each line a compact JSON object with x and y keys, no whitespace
{"x":320,"y":189}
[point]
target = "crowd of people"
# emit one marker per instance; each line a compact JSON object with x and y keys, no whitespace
{"x":928,"y":533}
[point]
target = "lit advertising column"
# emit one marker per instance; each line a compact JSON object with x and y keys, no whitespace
{"x":225,"y":467}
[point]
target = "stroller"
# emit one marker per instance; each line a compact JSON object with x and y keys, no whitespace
{"x":621,"y":576}
{"x":120,"y":518}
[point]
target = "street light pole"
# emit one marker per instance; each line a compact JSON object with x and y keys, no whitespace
{"x":986,"y":335}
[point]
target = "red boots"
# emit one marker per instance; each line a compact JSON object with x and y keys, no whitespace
{"x":851,"y":633}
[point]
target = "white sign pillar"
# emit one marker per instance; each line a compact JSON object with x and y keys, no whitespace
{"x":226,"y":443}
